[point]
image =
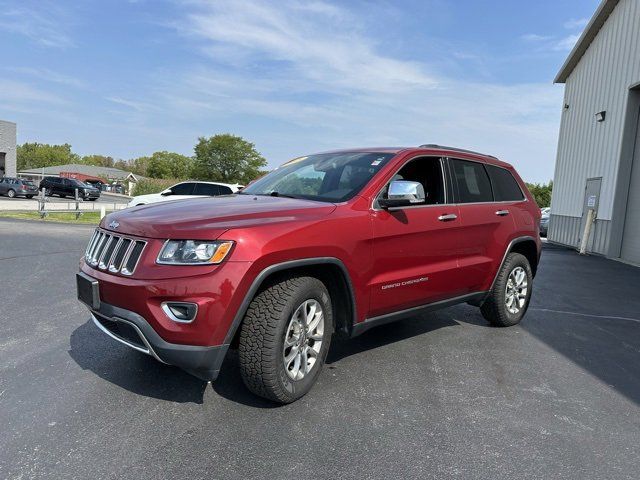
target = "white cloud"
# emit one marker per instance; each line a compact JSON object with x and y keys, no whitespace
{"x":535,"y":38}
{"x":14,"y":93}
{"x":313,"y":69}
{"x":48,"y":75}
{"x":306,"y":39}
{"x":566,"y":44}
{"x":576,"y":23}
{"x":132,"y":104}
{"x":45,"y":23}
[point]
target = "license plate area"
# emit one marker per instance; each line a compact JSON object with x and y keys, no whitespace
{"x":88,"y":290}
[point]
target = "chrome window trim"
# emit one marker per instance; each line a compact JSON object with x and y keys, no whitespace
{"x":447,"y":197}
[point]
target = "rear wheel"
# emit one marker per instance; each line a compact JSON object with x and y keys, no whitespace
{"x":509,"y":298}
{"x":285,"y":337}
{"x":11,"y":193}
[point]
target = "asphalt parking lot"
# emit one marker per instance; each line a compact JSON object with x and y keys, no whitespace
{"x":438,"y":396}
{"x":104,"y":198}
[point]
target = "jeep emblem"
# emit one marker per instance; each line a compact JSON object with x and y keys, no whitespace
{"x":113,"y":225}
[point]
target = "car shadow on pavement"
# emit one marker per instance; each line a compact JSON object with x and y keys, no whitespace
{"x":143,"y":375}
{"x":387,"y":334}
{"x":131,"y":370}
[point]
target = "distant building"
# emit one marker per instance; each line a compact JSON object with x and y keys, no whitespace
{"x":7,"y":149}
{"x":83,"y":173}
{"x":598,"y":162}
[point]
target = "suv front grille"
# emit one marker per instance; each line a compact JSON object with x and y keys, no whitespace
{"x":114,"y":253}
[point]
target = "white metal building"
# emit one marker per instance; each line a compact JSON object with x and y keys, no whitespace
{"x":598,"y":162}
{"x":7,"y":149}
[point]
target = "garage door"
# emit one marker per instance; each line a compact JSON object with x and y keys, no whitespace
{"x":631,"y":239}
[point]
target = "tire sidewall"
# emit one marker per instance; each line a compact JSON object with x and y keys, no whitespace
{"x":312,"y":290}
{"x":514,"y":261}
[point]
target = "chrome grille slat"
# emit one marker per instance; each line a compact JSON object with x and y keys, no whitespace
{"x":122,"y":251}
{"x":90,"y":245}
{"x":103,"y":249}
{"x":109,"y":263}
{"x":114,"y":253}
{"x":94,"y":245}
{"x":97,"y":250}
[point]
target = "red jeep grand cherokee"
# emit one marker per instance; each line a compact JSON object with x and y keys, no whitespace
{"x":337,"y":242}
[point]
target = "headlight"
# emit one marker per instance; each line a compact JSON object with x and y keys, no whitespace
{"x":193,"y":252}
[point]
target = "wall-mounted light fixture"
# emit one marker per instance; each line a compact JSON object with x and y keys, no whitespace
{"x":566,"y":106}
{"x":600,"y":116}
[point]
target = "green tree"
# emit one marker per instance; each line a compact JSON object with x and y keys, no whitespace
{"x":98,"y":160}
{"x":38,"y":155}
{"x":226,"y":158}
{"x":541,"y":192}
{"x":139,"y":166}
{"x":168,"y":165}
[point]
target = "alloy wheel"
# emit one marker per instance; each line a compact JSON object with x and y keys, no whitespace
{"x":516,"y":290}
{"x":303,"y":339}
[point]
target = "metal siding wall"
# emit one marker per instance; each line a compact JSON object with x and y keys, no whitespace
{"x":599,"y":82}
{"x":566,"y":230}
{"x":8,"y":146}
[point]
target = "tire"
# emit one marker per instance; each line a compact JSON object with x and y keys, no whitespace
{"x":496,"y":308}
{"x":11,"y":193}
{"x":29,"y":196}
{"x":270,"y":319}
{"x":48,"y":192}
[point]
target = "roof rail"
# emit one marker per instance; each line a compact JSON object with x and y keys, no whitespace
{"x":454,"y":149}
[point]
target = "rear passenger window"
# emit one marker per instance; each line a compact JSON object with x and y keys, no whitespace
{"x":505,"y":187}
{"x":207,"y":189}
{"x":224,"y":190}
{"x":183,"y":189}
{"x":472,"y":182}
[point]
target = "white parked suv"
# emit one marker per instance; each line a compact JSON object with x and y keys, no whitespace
{"x":187,"y":190}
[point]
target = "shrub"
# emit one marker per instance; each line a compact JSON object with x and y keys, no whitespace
{"x":153,"y":185}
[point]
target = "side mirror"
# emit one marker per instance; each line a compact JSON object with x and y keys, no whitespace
{"x":403,"y":193}
{"x":166,"y":192}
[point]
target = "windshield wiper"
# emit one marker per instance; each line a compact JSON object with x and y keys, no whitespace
{"x":278,"y":194}
{"x":270,"y":194}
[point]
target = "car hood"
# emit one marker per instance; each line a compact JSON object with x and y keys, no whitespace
{"x":208,"y":218}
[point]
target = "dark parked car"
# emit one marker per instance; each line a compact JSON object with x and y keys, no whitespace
{"x":66,"y":187}
{"x":544,"y":221}
{"x":334,"y":243}
{"x":17,"y":187}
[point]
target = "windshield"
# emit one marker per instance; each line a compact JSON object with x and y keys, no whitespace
{"x":327,"y":177}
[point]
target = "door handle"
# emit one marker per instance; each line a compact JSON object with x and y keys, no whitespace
{"x":447,"y":217}
{"x":502,"y":213}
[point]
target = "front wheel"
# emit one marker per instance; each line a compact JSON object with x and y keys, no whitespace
{"x":11,"y":194}
{"x":509,"y":298}
{"x":285,"y":337}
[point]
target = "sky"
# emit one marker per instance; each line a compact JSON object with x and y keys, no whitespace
{"x":127,"y":78}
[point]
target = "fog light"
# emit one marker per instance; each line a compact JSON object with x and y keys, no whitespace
{"x":181,"y":312}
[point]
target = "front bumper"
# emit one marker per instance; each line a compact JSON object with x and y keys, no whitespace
{"x":131,"y":329}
